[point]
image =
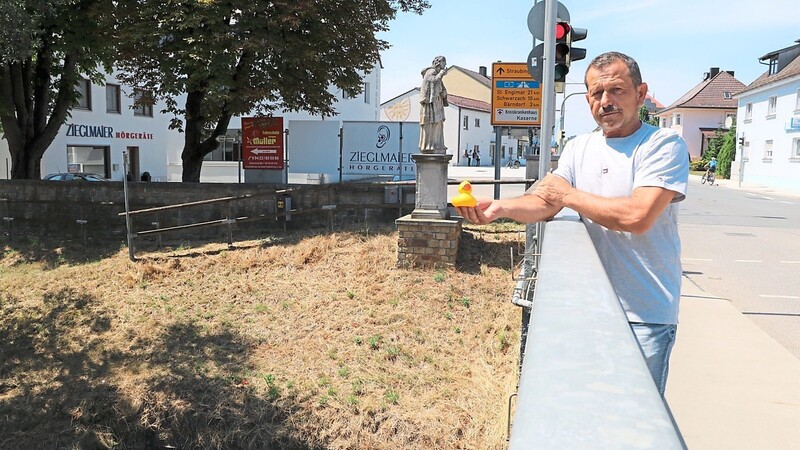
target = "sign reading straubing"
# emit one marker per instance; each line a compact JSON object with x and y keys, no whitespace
{"x":516,"y":97}
{"x":262,"y":143}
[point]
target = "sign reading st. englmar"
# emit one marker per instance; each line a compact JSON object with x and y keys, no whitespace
{"x":262,"y":143}
{"x":516,"y":96}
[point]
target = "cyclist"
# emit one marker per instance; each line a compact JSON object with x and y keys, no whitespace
{"x":711,"y":167}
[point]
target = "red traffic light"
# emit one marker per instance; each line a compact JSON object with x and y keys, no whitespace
{"x":562,"y":29}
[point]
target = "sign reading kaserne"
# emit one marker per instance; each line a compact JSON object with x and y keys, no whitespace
{"x":516,"y":96}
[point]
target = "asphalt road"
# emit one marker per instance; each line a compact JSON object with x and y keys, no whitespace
{"x":744,"y":245}
{"x":740,"y":244}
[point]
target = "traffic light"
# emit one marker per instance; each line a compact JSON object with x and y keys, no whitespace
{"x":562,"y":51}
{"x":565,"y":35}
{"x":741,"y":141}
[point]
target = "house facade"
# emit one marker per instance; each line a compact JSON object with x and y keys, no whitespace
{"x":768,"y":124}
{"x":703,"y":111}
{"x":467,"y":127}
{"x":106,"y":125}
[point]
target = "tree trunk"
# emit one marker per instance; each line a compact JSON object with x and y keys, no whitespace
{"x":196,"y":146}
{"x":30,"y":120}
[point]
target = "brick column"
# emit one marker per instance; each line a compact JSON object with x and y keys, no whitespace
{"x":427,"y":242}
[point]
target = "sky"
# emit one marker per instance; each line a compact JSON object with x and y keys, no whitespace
{"x":674,"y":41}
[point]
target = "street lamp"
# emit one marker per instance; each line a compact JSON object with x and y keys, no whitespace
{"x":561,"y":121}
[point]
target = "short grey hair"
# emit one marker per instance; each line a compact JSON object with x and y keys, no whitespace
{"x":607,"y":58}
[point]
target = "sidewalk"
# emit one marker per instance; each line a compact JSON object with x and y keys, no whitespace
{"x":731,"y":386}
{"x":754,"y":188}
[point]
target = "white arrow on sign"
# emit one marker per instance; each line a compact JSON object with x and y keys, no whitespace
{"x":261,"y":151}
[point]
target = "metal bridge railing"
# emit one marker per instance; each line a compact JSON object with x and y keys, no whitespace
{"x":584,"y":383}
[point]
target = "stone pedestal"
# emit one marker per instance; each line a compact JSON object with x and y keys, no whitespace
{"x":431,"y":195}
{"x":532,"y":165}
{"x":427,"y":242}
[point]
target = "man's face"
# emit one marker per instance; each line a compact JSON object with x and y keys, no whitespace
{"x":614,"y":100}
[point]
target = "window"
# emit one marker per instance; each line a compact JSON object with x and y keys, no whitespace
{"x":768,"y":150}
{"x":229,"y":147}
{"x":748,"y":112}
{"x":663,"y":122}
{"x":477,"y":122}
{"x":465,"y":123}
{"x":772,"y":106}
{"x":84,"y":88}
{"x":112,"y":98}
{"x":727,"y":95}
{"x":796,"y":148}
{"x":366,"y":93}
{"x":773,"y":65}
{"x":797,"y":101}
{"x":676,"y":119}
{"x":142,"y":103}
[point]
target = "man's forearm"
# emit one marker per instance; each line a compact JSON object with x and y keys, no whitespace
{"x":634,"y":214}
{"x":527,"y":209}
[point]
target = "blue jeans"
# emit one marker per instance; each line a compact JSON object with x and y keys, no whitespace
{"x":656,"y":341}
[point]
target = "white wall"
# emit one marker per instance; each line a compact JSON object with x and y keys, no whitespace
{"x":782,"y":170}
{"x":150,"y":134}
{"x":159,"y":147}
{"x":5,"y":159}
{"x":691,"y":122}
{"x":406,"y":107}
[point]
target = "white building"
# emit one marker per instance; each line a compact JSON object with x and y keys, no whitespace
{"x":768,"y":121}
{"x":105,"y":124}
{"x":703,"y":111}
{"x":467,"y":127}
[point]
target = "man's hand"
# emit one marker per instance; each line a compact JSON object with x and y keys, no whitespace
{"x":484,"y":212}
{"x":553,"y":189}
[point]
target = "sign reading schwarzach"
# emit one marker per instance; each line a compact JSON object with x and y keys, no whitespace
{"x":101,"y":131}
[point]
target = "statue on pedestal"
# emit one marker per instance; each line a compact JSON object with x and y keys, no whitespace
{"x":433,"y":100}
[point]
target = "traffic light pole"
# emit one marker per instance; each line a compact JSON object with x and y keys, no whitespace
{"x":548,"y":88}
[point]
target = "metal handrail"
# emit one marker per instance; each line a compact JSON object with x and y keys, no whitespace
{"x":584,"y":383}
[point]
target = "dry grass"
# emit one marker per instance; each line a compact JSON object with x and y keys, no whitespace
{"x":302,"y":341}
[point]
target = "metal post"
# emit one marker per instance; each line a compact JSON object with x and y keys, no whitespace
{"x":561,"y":121}
{"x":286,"y":155}
{"x":498,"y":139}
{"x":741,"y":162}
{"x":128,"y":225}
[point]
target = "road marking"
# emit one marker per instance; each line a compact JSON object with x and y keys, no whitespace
{"x":696,"y":259}
{"x":792,"y":297}
{"x":748,"y":260}
{"x":790,"y":262}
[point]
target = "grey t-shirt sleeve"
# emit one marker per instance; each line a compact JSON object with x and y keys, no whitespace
{"x":664,"y":162}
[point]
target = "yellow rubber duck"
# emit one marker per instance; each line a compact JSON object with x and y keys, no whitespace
{"x":464,"y":197}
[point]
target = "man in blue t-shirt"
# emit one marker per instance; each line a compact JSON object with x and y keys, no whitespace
{"x":625,"y":182}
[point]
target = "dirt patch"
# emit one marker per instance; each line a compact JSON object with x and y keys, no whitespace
{"x":299,"y":341}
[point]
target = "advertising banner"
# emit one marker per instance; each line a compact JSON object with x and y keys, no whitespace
{"x":262,"y":143}
{"x":380,"y":148}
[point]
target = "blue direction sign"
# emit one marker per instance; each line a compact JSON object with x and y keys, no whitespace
{"x":516,"y":96}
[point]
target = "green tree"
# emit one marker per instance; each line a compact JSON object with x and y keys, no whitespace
{"x":644,"y":116}
{"x":727,"y":153}
{"x":240,"y":56}
{"x":47,"y":46}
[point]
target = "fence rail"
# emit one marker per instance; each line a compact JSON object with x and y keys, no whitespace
{"x":584,"y":383}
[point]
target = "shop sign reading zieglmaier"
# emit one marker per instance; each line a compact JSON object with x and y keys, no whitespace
{"x":379,"y":148}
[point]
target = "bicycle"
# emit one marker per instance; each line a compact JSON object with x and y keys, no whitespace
{"x":710,"y":177}
{"x":513,"y":163}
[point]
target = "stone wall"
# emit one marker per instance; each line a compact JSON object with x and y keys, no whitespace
{"x":77,"y":209}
